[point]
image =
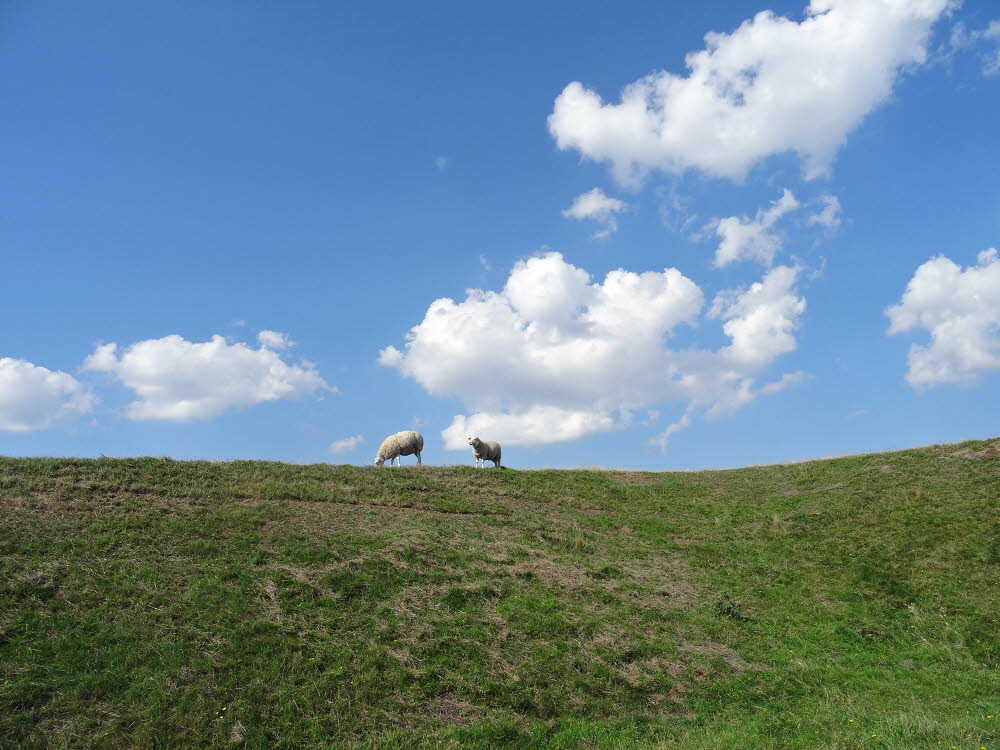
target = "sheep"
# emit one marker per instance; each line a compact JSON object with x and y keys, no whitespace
{"x":403,"y":443}
{"x":485,"y":450}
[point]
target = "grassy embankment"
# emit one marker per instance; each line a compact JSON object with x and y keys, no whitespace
{"x":845,"y":603}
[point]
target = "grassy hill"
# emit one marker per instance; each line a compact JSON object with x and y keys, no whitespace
{"x":844,"y":603}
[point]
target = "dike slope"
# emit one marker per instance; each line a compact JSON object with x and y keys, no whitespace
{"x":842,"y":603}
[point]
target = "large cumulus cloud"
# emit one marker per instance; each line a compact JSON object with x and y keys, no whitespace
{"x":772,"y":86}
{"x":177,"y":380}
{"x":33,"y":397}
{"x":960,"y":311}
{"x":555,"y":356}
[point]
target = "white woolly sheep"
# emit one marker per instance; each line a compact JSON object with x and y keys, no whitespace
{"x":485,"y":450}
{"x":404,"y":443}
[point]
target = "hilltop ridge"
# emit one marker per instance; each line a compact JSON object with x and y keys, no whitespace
{"x":842,"y":603}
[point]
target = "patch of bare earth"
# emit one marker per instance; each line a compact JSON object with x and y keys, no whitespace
{"x":237,"y":733}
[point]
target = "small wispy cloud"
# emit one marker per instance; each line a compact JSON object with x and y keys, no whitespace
{"x":662,"y":440}
{"x":345,"y":445}
{"x":985,"y":41}
{"x":743,"y":238}
{"x":594,"y":205}
{"x":787,"y":381}
{"x":829,"y":216}
{"x":274,"y":340}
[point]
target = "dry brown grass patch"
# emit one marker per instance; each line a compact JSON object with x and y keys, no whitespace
{"x":237,"y":733}
{"x":708,"y":647}
{"x":549,"y":571}
{"x":450,"y":709}
{"x":634,"y":477}
{"x":990,"y":451}
{"x":683,"y":540}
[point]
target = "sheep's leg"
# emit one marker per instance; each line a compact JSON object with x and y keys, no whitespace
{"x":419,"y":462}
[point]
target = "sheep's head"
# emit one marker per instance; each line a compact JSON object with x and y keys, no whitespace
{"x":474,"y":441}
{"x":379,"y":461}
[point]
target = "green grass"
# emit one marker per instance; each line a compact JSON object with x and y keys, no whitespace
{"x":845,"y":603}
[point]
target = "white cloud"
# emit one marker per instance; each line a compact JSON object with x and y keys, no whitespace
{"x":960,"y":309}
{"x":554,"y":356}
{"x":771,"y":86}
{"x":760,"y":320}
{"x":347,"y":444}
{"x":991,"y":58}
{"x":674,"y":209}
{"x":752,"y":239}
{"x":787,"y":381}
{"x":829,"y":216}
{"x":274,"y":340}
{"x":33,"y":397}
{"x":179,"y":381}
{"x":662,"y":441}
{"x":986,"y":40}
{"x":596,"y":206}
{"x":538,"y":425}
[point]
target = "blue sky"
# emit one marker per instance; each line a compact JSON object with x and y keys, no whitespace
{"x":179,"y":177}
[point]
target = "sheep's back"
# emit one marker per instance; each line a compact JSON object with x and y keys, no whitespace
{"x":403,"y":443}
{"x":490,"y":450}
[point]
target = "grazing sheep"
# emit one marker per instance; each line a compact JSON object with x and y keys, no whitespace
{"x":403,"y":443}
{"x":485,"y":450}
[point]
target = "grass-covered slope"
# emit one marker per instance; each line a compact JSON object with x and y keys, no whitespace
{"x":840,"y":603}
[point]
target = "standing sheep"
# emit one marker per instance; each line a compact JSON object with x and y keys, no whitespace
{"x":485,"y":450}
{"x":404,"y":443}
